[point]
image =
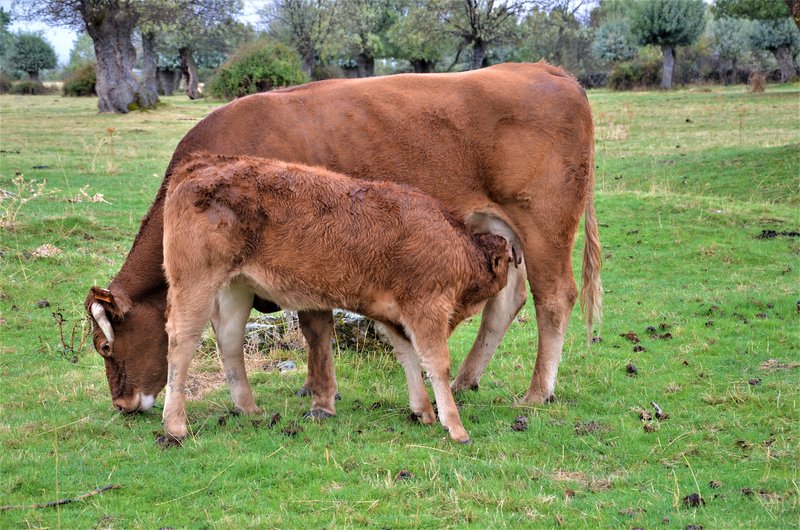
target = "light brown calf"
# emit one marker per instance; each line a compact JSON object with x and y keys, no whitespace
{"x":313,"y":240}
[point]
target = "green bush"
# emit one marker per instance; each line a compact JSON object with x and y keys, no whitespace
{"x":5,"y":84}
{"x":635,"y":74}
{"x":81,"y":82}
{"x":29,"y":88}
{"x":257,"y":67}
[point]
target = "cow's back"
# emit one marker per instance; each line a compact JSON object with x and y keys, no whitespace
{"x":470,"y":139}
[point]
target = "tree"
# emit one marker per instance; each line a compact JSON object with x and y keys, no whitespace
{"x":613,"y":42}
{"x":480,"y":24}
{"x":6,"y":39}
{"x":730,"y":40}
{"x":419,"y":36}
{"x":30,"y":53}
{"x":82,"y":53}
{"x":668,"y":23}
{"x":779,"y":37}
{"x":111,"y":24}
{"x":305,"y":25}
{"x":364,"y":24}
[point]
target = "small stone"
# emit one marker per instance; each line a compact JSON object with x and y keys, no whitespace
{"x":41,"y":304}
{"x":287,"y":366}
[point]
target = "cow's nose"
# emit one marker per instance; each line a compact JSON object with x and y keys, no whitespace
{"x":127,"y":404}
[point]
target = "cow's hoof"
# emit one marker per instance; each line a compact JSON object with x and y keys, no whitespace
{"x":303,"y":392}
{"x":167,"y":440}
{"x":318,"y":415}
{"x":461,"y":386}
{"x":532,"y":399}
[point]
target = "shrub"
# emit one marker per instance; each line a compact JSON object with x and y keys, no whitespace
{"x":757,"y":82}
{"x":635,"y":74}
{"x":81,"y":82}
{"x":257,"y":67}
{"x":29,"y":88}
{"x":5,"y":84}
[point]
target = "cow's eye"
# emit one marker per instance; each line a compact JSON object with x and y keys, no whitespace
{"x":105,"y":349}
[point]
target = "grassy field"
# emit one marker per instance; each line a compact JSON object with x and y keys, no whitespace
{"x":697,"y":196}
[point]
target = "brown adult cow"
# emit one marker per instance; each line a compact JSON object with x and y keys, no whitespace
{"x":510,"y":148}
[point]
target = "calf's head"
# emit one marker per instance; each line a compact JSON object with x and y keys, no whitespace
{"x":132,"y":341}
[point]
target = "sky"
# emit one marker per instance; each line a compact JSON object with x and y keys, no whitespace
{"x":63,"y":38}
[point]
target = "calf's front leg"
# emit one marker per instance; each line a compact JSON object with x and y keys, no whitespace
{"x":188,"y":314}
{"x":229,"y":317}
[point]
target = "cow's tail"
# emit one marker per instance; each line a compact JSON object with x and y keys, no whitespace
{"x":591,"y":288}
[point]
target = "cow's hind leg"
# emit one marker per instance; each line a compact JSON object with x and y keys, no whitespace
{"x":317,"y":328}
{"x":231,"y":310}
{"x":554,"y":294}
{"x":418,"y":398}
{"x":498,"y":314}
{"x":189,"y":310}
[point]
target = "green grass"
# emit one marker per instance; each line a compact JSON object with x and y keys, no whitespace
{"x":680,"y":229}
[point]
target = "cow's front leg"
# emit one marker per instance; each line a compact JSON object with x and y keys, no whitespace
{"x":498,"y":314}
{"x":231,"y":310}
{"x":317,"y":328}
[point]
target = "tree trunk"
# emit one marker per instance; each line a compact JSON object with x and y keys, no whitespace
{"x":669,"y":66}
{"x":735,"y":69}
{"x":189,"y":70}
{"x":366,"y":65}
{"x":111,"y":28}
{"x":307,"y":65}
{"x":166,"y":81}
{"x":149,"y":83}
{"x":423,"y":66}
{"x":784,"y":58}
{"x":478,"y":55}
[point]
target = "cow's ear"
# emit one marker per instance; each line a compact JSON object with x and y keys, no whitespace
{"x":117,"y":305}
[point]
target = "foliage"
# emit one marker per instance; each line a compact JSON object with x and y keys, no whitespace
{"x":5,"y":84}
{"x":668,"y":22}
{"x":305,"y":25}
{"x":6,"y":38}
{"x":257,"y":67}
{"x":364,"y":24}
{"x":751,"y":9}
{"x":82,"y":53}
{"x":773,"y":34}
{"x":635,"y":74}
{"x":613,"y":42}
{"x":682,"y":205}
{"x":81,"y":82}
{"x":419,"y":35}
{"x":730,"y":37}
{"x":31,"y":53}
{"x":29,"y":87}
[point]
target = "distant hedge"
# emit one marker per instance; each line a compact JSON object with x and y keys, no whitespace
{"x":257,"y":67}
{"x":29,"y":88}
{"x":81,"y":82}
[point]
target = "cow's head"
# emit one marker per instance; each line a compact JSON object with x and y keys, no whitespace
{"x":132,"y":341}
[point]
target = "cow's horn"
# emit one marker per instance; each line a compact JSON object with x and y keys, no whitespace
{"x":100,"y":316}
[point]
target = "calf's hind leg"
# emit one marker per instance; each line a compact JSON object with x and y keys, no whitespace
{"x":430,"y":342}
{"x":229,"y":317}
{"x":418,"y":398}
{"x":317,"y":328}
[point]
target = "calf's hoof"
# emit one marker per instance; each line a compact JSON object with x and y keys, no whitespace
{"x":167,"y":440}
{"x":459,"y":435}
{"x":318,"y":415}
{"x":426,"y":418}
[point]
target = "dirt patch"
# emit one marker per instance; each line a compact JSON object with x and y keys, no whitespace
{"x":772,"y":234}
{"x":582,"y":428}
{"x":592,"y":483}
{"x":773,"y":365}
